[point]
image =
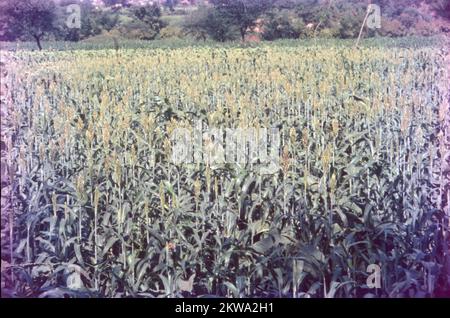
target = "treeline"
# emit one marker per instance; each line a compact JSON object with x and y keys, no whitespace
{"x":280,"y":19}
{"x":51,"y":20}
{"x":220,"y":20}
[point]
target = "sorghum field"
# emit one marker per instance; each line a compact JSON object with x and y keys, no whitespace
{"x":93,"y":205}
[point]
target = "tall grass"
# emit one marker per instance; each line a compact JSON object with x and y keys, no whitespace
{"x":93,"y":205}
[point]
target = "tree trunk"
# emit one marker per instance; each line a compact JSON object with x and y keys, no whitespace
{"x":38,"y":41}
{"x":243,"y":34}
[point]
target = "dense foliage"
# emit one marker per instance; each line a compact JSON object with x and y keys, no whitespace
{"x":93,"y":205}
{"x":31,"y":18}
{"x":220,"y":20}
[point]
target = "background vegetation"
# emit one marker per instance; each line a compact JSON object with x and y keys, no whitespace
{"x":219,"y":20}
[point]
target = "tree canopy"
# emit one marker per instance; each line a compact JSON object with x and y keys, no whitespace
{"x":28,"y":18}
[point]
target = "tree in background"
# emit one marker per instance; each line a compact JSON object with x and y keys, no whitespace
{"x":121,"y":18}
{"x":221,"y":20}
{"x":170,"y":4}
{"x":28,"y":19}
{"x":243,"y":14}
{"x":108,"y":19}
{"x":148,"y":23}
{"x":349,"y":18}
{"x":208,"y":22}
{"x":282,"y":24}
{"x":442,"y":7}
